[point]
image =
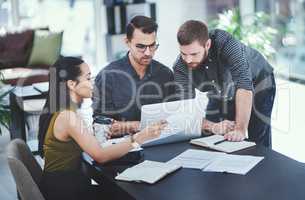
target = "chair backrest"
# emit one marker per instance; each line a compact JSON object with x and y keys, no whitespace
{"x":25,"y":169}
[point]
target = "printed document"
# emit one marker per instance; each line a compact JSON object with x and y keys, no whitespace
{"x":216,"y":161}
{"x":235,"y":164}
{"x":195,"y":159}
{"x":184,"y":117}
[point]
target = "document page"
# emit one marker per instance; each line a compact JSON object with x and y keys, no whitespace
{"x":175,"y":123}
{"x":184,"y":118}
{"x":236,"y":164}
{"x":195,"y":159}
{"x":215,"y":161}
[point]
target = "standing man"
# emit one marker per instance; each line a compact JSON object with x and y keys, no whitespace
{"x":239,"y":81}
{"x":123,"y":86}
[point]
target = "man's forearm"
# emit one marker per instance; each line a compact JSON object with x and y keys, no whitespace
{"x":243,"y":105}
{"x":207,"y":125}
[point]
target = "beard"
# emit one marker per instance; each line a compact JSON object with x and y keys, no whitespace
{"x":195,"y":65}
{"x":145,"y":60}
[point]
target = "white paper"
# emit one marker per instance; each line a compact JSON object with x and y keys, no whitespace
{"x":175,"y":123}
{"x":233,"y":164}
{"x":215,"y":161}
{"x":195,"y":159}
{"x":184,"y":117}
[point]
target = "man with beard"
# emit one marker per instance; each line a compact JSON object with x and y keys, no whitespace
{"x":123,"y":86}
{"x":239,"y":81}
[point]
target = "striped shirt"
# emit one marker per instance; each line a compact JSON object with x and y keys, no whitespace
{"x":230,"y":65}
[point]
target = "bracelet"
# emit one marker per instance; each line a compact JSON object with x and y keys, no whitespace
{"x":134,"y":143}
{"x":132,"y":140}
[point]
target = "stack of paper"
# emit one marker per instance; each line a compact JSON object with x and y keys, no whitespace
{"x":215,"y":161}
{"x":147,"y":171}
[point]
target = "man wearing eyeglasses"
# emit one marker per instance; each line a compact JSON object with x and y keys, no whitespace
{"x":123,"y":86}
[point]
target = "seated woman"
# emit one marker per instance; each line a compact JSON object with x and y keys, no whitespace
{"x":63,"y":134}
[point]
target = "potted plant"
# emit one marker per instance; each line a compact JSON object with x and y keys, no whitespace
{"x":257,"y":34}
{"x":5,"y":116}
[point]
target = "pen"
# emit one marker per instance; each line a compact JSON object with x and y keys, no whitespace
{"x":221,"y":141}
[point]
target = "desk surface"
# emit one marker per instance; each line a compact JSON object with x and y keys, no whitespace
{"x":275,"y":177}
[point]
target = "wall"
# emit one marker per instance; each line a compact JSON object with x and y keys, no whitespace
{"x":170,"y":15}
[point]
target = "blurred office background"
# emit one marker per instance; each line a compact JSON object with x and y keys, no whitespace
{"x":94,"y":30}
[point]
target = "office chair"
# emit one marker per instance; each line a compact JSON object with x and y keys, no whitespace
{"x":25,"y":169}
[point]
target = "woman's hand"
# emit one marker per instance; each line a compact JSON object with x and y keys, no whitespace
{"x":118,"y":128}
{"x":150,"y":132}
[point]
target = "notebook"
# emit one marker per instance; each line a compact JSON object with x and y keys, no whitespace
{"x":147,"y":171}
{"x":223,"y":145}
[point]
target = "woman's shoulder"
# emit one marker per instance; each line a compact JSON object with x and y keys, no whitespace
{"x":65,"y":122}
{"x":67,"y":117}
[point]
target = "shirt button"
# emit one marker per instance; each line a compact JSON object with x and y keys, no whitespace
{"x":213,"y":81}
{"x":207,"y":67}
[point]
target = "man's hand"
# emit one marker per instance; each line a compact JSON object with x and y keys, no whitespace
{"x":119,"y":128}
{"x":235,"y":135}
{"x":219,"y":128}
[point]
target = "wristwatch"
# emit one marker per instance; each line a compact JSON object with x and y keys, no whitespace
{"x":134,"y":143}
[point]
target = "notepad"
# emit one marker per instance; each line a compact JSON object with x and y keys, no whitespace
{"x":147,"y":171}
{"x":226,"y":146}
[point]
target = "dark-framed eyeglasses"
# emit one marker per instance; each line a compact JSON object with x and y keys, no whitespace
{"x":142,"y":47}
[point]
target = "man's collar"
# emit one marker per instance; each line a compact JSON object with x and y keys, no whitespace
{"x":130,"y":69}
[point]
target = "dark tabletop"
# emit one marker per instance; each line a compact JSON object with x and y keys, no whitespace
{"x":275,"y":177}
